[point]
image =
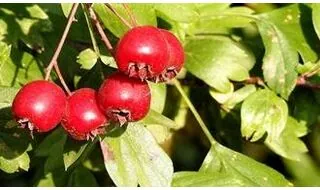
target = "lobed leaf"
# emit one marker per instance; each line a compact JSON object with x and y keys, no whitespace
{"x":134,"y":157}
{"x":225,"y":167}
{"x":288,"y":145}
{"x":263,"y":112}
{"x":218,"y":61}
{"x":279,"y":61}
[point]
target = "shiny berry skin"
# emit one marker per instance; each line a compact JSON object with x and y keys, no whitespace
{"x":39,"y":105}
{"x":142,"y":53}
{"x":176,"y":56}
{"x":124,"y":99}
{"x":82,"y":118}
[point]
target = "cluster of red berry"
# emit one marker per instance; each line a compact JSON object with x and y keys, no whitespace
{"x":143,"y":53}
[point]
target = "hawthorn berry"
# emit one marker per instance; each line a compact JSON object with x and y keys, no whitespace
{"x":82,"y":118}
{"x":39,"y":106}
{"x":142,"y":53}
{"x":176,"y":56}
{"x":124,"y":99}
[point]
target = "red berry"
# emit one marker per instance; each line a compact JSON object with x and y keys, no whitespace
{"x":176,"y":56}
{"x":82,"y":118}
{"x":142,"y":53}
{"x":124,"y":99}
{"x":39,"y":105}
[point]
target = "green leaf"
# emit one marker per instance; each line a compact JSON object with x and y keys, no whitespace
{"x":203,"y":18}
{"x":220,"y":20}
{"x":134,"y":157}
{"x":87,"y":58}
{"x":294,"y":22}
{"x":279,"y":61}
{"x":263,"y":111}
{"x":55,"y":157}
{"x":305,"y":173}
{"x":44,"y":148}
{"x":225,"y":167}
{"x":206,"y":9}
{"x":242,"y":168}
{"x":5,"y":51}
{"x":160,"y":133}
{"x":7,"y":95}
{"x":178,"y":12}
{"x":25,"y":22}
{"x":289,"y":145}
{"x":231,"y":99}
{"x":316,"y":18}
{"x":306,"y":110}
{"x":155,"y":118}
{"x":13,"y":165}
{"x":57,"y":178}
{"x":72,"y":151}
{"x":109,"y":61}
{"x":66,"y":8}
{"x":158,"y":94}
{"x":217,"y":60}
{"x":52,"y":148}
{"x":144,"y":14}
{"x":308,"y":67}
{"x":159,"y":125}
{"x":20,"y":69}
{"x":202,"y":179}
{"x":82,"y":177}
{"x":14,"y":144}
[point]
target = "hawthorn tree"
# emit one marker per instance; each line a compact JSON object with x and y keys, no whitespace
{"x":242,"y":111}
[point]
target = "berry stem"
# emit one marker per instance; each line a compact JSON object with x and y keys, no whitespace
{"x":119,"y":16}
{"x":100,"y":30}
{"x":132,"y":17}
{"x":85,"y":8}
{"x":53,"y":62}
{"x":194,"y":112}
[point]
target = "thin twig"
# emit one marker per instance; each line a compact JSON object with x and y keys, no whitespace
{"x":63,"y":82}
{"x":304,"y":83}
{"x":255,"y":80}
{"x":132,"y":17}
{"x":53,"y":62}
{"x":118,"y":15}
{"x":301,"y":81}
{"x":100,"y":30}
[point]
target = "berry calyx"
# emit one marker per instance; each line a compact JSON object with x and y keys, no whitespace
{"x":39,"y":106}
{"x":82,"y":118}
{"x":142,"y":53}
{"x":176,"y":57}
{"x":124,"y":99}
